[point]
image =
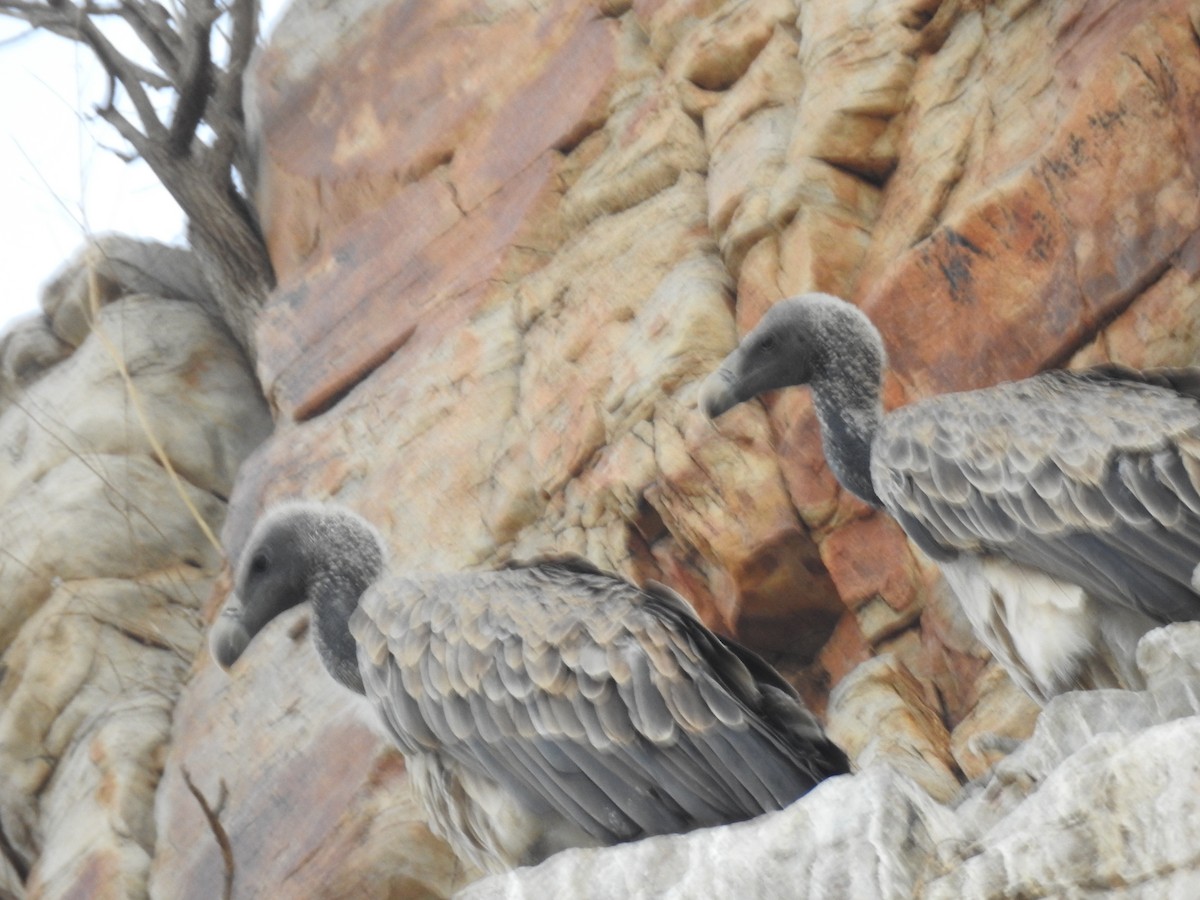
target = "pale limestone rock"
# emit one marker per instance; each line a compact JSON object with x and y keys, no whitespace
{"x":878,"y":716}
{"x":27,"y":349}
{"x":86,"y":719}
{"x":106,"y":562}
{"x":1170,"y":656}
{"x":717,"y":52}
{"x":100,"y":516}
{"x":113,"y":266}
{"x":825,"y":241}
{"x":616,"y":351}
{"x":745,"y":165}
{"x":1071,"y":725}
{"x":856,"y":62}
{"x":859,"y":59}
{"x":667,"y":22}
{"x":1101,"y":798}
{"x":774,"y":80}
{"x":1120,"y":814}
{"x":11,"y":885}
{"x":1068,"y":724}
{"x":838,"y":841}
{"x":651,"y":141}
{"x":192,"y":387}
{"x":676,"y":330}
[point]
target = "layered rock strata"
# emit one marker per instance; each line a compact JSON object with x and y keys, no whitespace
{"x":510,"y":240}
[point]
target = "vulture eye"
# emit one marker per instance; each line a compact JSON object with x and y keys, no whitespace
{"x":767,"y":344}
{"x":259,"y":564}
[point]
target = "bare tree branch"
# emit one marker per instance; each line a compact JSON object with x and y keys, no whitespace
{"x":196,"y":82}
{"x":124,"y":72}
{"x":109,"y":113}
{"x":152,"y":24}
{"x":196,"y":166}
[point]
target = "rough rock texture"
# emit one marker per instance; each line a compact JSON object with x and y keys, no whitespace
{"x":839,"y":841}
{"x":307,"y":797}
{"x":106,"y":564}
{"x":510,"y":238}
{"x":1102,"y":801}
{"x":113,"y":266}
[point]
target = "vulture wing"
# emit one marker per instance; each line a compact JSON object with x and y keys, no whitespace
{"x":1092,"y":477}
{"x":577,"y":691}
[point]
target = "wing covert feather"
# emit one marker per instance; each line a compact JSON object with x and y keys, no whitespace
{"x":1092,"y":477}
{"x":581,"y":693}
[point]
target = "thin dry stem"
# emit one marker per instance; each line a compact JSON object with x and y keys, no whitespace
{"x":143,"y":421}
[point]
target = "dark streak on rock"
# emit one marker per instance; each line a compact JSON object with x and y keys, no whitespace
{"x":955,"y":239}
{"x":325,"y":402}
{"x":1076,"y":145}
{"x":953,"y":255}
{"x":1043,"y":243}
{"x":957,"y":272}
{"x":1059,"y":168}
{"x":1106,"y":121}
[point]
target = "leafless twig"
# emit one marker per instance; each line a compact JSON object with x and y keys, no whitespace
{"x":213,"y":816}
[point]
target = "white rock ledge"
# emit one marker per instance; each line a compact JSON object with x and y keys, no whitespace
{"x":1102,"y":801}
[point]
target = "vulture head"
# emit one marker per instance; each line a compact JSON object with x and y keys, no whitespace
{"x":815,"y":339}
{"x":297,"y":553}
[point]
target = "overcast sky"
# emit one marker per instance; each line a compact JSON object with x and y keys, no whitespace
{"x":59,"y":179}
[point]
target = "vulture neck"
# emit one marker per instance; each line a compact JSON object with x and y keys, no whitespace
{"x":335,"y":595}
{"x":850,"y":410}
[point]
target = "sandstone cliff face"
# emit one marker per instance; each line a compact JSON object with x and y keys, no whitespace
{"x":510,"y":240}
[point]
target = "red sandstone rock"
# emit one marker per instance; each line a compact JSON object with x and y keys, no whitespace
{"x":885,"y":571}
{"x":879,"y":715}
{"x":846,"y":649}
{"x":1094,"y":199}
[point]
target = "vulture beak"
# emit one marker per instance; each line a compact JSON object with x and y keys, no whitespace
{"x":229,"y":636}
{"x":717,"y":393}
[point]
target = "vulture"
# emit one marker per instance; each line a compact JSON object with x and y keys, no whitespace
{"x":1063,"y":509}
{"x":541,"y":706}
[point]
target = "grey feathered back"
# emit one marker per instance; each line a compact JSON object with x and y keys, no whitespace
{"x":1090,"y":476}
{"x":611,"y":706}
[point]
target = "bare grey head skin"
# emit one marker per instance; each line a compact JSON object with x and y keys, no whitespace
{"x":297,"y":553}
{"x":831,"y":346}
